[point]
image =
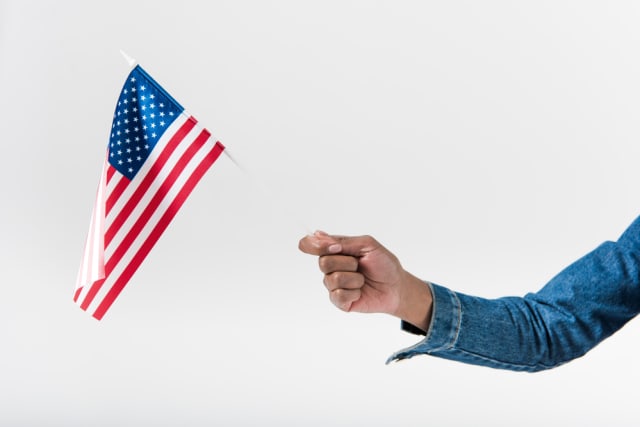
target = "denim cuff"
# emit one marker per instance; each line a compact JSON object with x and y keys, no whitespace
{"x":631,"y":236}
{"x":444,"y":327}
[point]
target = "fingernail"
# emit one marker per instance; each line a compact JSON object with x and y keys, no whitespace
{"x":320,"y":233}
{"x":335,"y":248}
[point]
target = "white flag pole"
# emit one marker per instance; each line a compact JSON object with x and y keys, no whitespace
{"x":132,"y":62}
{"x":266,"y":193}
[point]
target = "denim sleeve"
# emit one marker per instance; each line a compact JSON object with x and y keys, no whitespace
{"x":581,"y":306}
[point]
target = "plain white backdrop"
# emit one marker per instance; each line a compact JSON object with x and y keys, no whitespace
{"x":488,"y":144}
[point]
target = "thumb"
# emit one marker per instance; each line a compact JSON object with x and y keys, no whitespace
{"x":357,"y":246}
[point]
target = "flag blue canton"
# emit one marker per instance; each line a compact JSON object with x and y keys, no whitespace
{"x":143,"y":113}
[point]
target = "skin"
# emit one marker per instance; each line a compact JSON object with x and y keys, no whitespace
{"x":363,"y":276}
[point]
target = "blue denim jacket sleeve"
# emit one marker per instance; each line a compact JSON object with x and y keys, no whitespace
{"x":581,"y":306}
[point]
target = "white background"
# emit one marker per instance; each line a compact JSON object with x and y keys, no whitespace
{"x":488,"y":144}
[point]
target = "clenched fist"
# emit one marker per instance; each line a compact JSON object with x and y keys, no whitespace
{"x":362,"y":275}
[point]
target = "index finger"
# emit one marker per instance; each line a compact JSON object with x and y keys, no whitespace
{"x":319,"y":243}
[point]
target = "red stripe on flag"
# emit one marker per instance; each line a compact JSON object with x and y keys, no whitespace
{"x":77,"y":294}
{"x":148,"y":244}
{"x":154,"y":171}
{"x":110,"y":171}
{"x":95,"y":287}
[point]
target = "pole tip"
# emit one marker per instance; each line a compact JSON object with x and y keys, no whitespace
{"x":127,"y":58}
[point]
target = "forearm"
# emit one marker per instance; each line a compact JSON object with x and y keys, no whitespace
{"x":577,"y":309}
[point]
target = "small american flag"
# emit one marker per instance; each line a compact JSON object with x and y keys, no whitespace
{"x":156,"y":155}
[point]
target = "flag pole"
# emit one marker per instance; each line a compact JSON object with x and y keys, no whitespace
{"x":265,"y":192}
{"x":131,"y":61}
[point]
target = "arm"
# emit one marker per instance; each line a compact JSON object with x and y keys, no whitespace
{"x":577,"y":309}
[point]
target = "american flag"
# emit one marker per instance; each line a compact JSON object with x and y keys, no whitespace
{"x":156,"y":155}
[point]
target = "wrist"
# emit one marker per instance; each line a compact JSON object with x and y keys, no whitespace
{"x":415,"y":302}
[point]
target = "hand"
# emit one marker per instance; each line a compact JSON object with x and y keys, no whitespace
{"x":362,"y":275}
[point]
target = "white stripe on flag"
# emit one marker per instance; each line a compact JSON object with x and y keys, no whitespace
{"x":92,"y":266}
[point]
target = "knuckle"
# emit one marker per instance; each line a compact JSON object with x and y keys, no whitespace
{"x":340,"y":299}
{"x":333,"y":281}
{"x":340,"y":278}
{"x":325,"y":264}
{"x":369,"y":240}
{"x":326,"y":280}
